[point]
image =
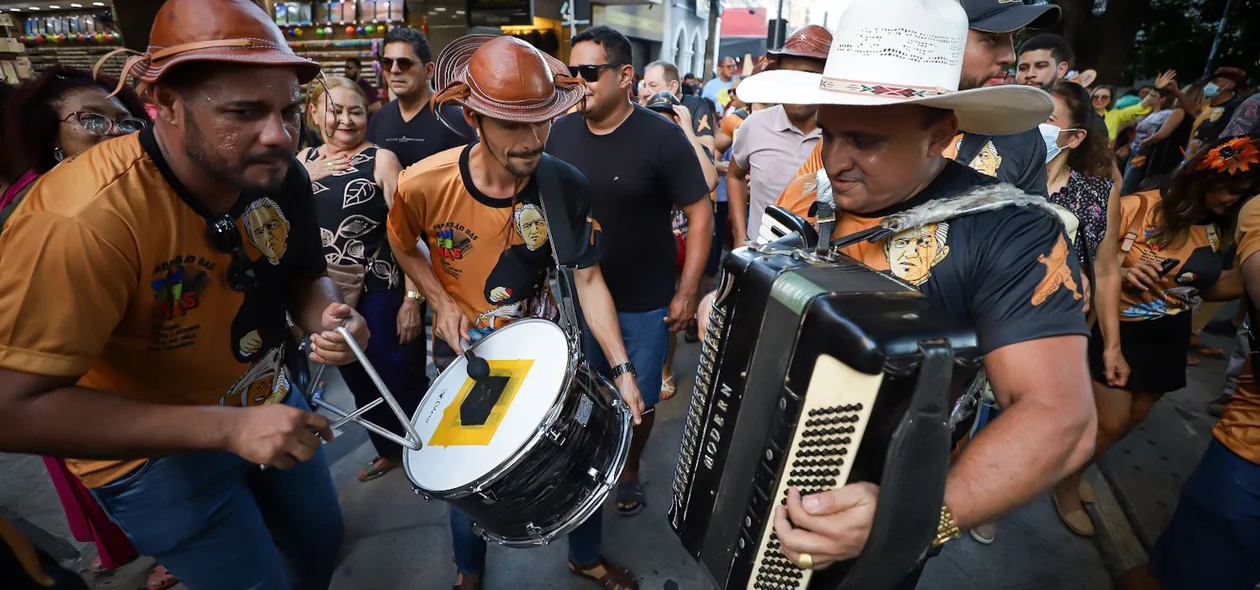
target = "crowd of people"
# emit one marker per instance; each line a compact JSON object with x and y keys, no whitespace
{"x":217,"y":227}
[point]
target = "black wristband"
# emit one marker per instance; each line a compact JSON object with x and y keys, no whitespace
{"x":623,"y":368}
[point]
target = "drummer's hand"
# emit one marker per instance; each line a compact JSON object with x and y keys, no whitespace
{"x":629,"y":390}
{"x":450,"y":324}
{"x":328,"y":347}
{"x":277,"y":435}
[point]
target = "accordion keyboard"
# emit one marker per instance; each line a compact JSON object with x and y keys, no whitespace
{"x":831,"y":422}
{"x":693,"y":430}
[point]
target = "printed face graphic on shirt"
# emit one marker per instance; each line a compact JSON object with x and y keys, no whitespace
{"x":531,"y":226}
{"x":912,"y":253}
{"x":987,"y":161}
{"x":264,"y":383}
{"x":267,"y":229}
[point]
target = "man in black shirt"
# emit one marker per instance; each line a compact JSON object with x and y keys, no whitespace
{"x":1019,"y":159}
{"x":1008,"y":272}
{"x":640,"y":167}
{"x":660,"y":76}
{"x":407,"y":126}
{"x":1225,"y":91}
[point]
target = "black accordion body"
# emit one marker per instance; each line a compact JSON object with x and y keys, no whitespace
{"x":817,"y":373}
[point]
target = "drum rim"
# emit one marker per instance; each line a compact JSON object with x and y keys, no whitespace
{"x":593,"y":503}
{"x":491,"y":477}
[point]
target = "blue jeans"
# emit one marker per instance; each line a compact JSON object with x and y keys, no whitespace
{"x":720,"y":221}
{"x":470,"y":550}
{"x":217,"y":521}
{"x":1213,"y":539}
{"x":646,"y":336}
{"x":401,"y":367}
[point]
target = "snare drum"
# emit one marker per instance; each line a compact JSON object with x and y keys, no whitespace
{"x":530,"y":452}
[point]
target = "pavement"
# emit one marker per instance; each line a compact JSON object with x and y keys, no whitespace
{"x":397,"y":540}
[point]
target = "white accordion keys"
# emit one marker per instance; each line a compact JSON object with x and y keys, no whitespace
{"x":835,"y":411}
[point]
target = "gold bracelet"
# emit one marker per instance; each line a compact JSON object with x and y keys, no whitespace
{"x":947,"y":529}
{"x":418,"y":296}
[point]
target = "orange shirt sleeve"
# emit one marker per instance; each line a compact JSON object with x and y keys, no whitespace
{"x":813,"y":163}
{"x":1248,"y":232}
{"x":406,"y":221}
{"x":64,"y":288}
{"x":730,"y":123}
{"x":797,"y":199}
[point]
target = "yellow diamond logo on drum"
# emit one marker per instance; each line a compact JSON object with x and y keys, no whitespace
{"x":477,"y":411}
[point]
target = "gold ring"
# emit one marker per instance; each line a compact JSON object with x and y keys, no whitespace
{"x":806,"y":561}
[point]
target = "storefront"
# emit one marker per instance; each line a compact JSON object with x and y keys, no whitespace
{"x":689,"y":35}
{"x":40,"y":34}
{"x":642,"y":24}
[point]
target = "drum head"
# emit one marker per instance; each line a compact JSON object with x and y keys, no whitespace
{"x":469,"y":429}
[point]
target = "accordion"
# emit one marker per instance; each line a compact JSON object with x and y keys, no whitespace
{"x":814,"y":373}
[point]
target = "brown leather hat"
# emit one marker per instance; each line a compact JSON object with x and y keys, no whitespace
{"x":504,"y":78}
{"x":811,"y":42}
{"x":1238,"y":75}
{"x":224,"y":31}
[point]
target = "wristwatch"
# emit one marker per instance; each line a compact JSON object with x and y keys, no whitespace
{"x":946,"y":529}
{"x":623,"y":368}
{"x":418,"y":296}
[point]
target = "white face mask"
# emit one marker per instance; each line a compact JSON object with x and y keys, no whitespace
{"x":1050,"y":135}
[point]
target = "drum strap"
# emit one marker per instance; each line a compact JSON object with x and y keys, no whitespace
{"x":563,"y":251}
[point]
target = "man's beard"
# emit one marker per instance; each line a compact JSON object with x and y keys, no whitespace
{"x":518,"y":170}
{"x":800,"y":112}
{"x":216,"y":167}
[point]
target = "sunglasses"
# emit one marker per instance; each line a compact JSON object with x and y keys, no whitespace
{"x":404,"y":63}
{"x":99,"y":125}
{"x":591,"y":73}
{"x":226,"y":239}
{"x":1101,"y":97}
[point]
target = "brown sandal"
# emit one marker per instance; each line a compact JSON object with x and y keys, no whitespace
{"x":614,"y":577}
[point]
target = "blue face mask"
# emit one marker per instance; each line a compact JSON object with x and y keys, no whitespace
{"x":1210,"y":90}
{"x":1050,"y":135}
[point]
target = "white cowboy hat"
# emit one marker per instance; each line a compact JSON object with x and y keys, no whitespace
{"x":887,"y":52}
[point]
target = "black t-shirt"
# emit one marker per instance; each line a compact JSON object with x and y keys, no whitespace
{"x":422,"y":136}
{"x":1210,"y":129}
{"x":351,"y":210}
{"x":1019,"y":159}
{"x":701,"y":115}
{"x":637,"y":175}
{"x":1010,"y":273}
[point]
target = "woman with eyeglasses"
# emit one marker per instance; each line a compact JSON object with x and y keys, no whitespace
{"x":59,"y":115}
{"x":353,"y":183}
{"x":1101,"y":99}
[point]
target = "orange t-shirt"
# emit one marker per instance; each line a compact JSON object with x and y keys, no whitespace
{"x":1239,"y":427}
{"x":106,"y":275}
{"x":1198,"y":267}
{"x":731,"y":122}
{"x":490,"y":254}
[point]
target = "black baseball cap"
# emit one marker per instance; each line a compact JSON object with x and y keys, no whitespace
{"x":663,"y":102}
{"x":1008,"y":16}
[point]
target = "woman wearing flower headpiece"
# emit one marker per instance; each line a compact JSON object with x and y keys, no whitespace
{"x":1170,"y":244}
